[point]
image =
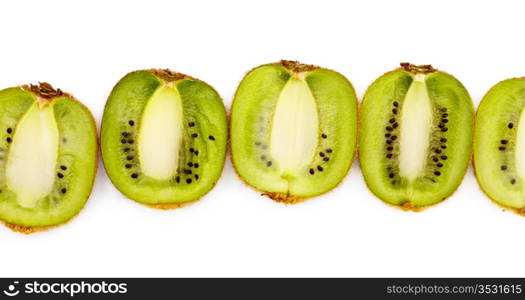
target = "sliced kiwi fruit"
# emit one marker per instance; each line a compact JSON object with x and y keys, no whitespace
{"x":293,"y":130}
{"x":163,"y":137}
{"x":416,"y":136}
{"x":499,"y":144}
{"x":48,"y":157}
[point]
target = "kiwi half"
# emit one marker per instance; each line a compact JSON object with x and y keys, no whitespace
{"x":163,"y":137}
{"x":499,"y":144}
{"x":416,"y":136}
{"x":293,"y":130}
{"x":48,"y":157}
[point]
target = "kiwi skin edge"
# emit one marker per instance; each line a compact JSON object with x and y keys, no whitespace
{"x":293,"y":66}
{"x":519,"y":211}
{"x":46,"y":91}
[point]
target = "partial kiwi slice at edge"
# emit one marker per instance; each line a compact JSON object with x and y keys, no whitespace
{"x":163,"y":137}
{"x":416,"y":136}
{"x":293,"y":130}
{"x":499,"y":144}
{"x":48,"y":157}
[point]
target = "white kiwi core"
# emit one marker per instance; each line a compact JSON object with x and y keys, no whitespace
{"x":161,"y":133}
{"x":295,"y":129}
{"x":415,"y":128}
{"x":32,"y":157}
{"x":520,"y":146}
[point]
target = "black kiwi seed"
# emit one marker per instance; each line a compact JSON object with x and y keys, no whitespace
{"x":131,"y":141}
{"x":444,"y":120}
{"x":190,"y":164}
{"x":192,"y":150}
{"x":435,"y":159}
{"x":123,"y":141}
{"x":395,"y":125}
{"x":326,"y":159}
{"x":187,"y":172}
{"x":389,"y":155}
{"x":319,"y":168}
{"x":329,"y":150}
{"x":389,"y":148}
{"x":388,"y":128}
{"x":502,"y":148}
{"x":126,"y":149}
{"x":394,"y":111}
{"x":128,"y":166}
{"x":389,"y":142}
{"x":510,"y":125}
{"x":443,"y":147}
{"x":444,"y":157}
{"x":188,"y":181}
{"x":129,"y":157}
{"x":125,"y":134}
{"x":439,"y":165}
{"x":503,"y":168}
{"x":311,"y":171}
{"x":437,"y":151}
{"x":504,"y":142}
{"x":194,"y":135}
{"x":324,"y":136}
{"x":196,"y":176}
{"x":396,"y":104}
{"x":437,"y":173}
{"x":513,"y":181}
{"x":441,"y":125}
{"x":211,"y":138}
{"x":191,"y":124}
{"x":9,"y":130}
{"x":391,"y":175}
{"x":134,"y":175}
{"x":196,"y":152}
{"x":392,"y":120}
{"x":177,"y":179}
{"x":443,"y":140}
{"x":387,"y":135}
{"x":394,"y":137}
{"x":321,"y":154}
{"x":9,"y":140}
{"x":269,"y":163}
{"x":63,"y":190}
{"x":63,"y":168}
{"x":195,"y":165}
{"x":131,"y":123}
{"x":444,"y":115}
{"x":60,"y":175}
{"x":444,"y":129}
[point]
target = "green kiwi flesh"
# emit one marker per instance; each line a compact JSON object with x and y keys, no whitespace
{"x":499,"y":144}
{"x":416,"y":136}
{"x":163,"y":137}
{"x":293,"y":130}
{"x":48,"y":157}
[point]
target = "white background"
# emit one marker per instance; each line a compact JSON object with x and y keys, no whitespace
{"x":85,"y":48}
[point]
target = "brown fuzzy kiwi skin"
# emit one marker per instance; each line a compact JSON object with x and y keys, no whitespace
{"x":519,"y":211}
{"x":414,"y":69}
{"x":167,"y":76}
{"x":285,"y":198}
{"x":45,"y":92}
